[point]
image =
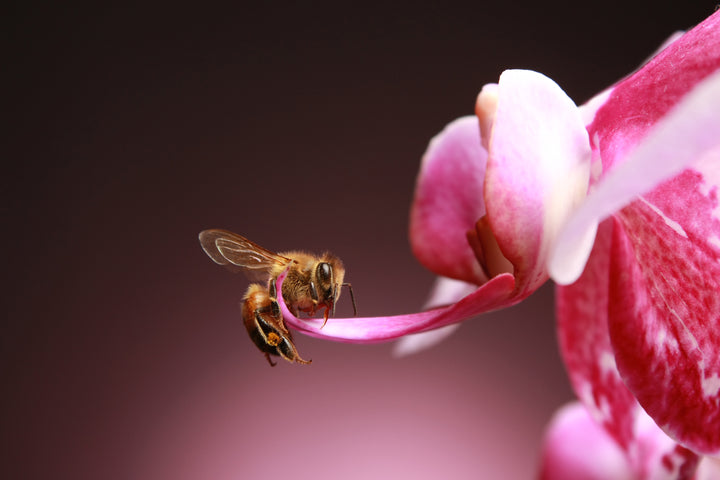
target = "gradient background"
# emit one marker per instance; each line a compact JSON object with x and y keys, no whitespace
{"x":133,"y":128}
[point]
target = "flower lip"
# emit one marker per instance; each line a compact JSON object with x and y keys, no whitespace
{"x":494,"y":294}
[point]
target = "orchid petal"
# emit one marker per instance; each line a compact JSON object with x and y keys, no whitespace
{"x":589,"y":109}
{"x":654,"y":124}
{"x":685,"y":135}
{"x":417,"y":342}
{"x":582,"y":311}
{"x":445,"y":291}
{"x":449,"y":200}
{"x":576,"y":447}
{"x":665,"y":308}
{"x":709,"y":469}
{"x":645,"y":97}
{"x":485,"y":109}
{"x":657,"y":456}
{"x":494,"y":294}
{"x":538,"y":170}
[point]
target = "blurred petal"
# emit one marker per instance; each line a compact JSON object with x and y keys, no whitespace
{"x":538,"y":170}
{"x":449,"y":200}
{"x":494,"y":294}
{"x":709,"y":469}
{"x":655,"y":123}
{"x":417,"y":342}
{"x":664,"y":314}
{"x":445,"y":291}
{"x":577,"y":448}
{"x":582,"y":312}
{"x":656,"y":456}
{"x":685,"y":136}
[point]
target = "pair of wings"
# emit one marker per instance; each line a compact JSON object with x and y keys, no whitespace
{"x":237,"y":253}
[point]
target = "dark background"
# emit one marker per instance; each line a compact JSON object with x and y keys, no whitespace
{"x":132,"y":128}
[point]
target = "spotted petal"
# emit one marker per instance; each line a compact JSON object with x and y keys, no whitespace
{"x":657,"y":137}
{"x":664,"y":315}
{"x":582,"y":313}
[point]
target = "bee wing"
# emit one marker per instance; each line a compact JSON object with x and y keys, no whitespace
{"x":237,"y":253}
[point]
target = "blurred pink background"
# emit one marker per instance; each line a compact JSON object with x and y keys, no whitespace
{"x":300,"y":127}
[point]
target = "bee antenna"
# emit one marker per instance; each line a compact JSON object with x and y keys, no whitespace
{"x":335,"y":288}
{"x":352,"y":297}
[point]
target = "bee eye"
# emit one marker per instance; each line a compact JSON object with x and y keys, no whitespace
{"x":324,"y":272}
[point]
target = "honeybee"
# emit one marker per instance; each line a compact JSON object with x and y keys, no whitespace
{"x":312,"y":283}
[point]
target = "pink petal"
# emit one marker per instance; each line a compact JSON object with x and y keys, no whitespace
{"x":709,"y":469}
{"x":537,"y":172}
{"x":582,"y":312}
{"x":683,"y":137}
{"x":654,"y":123}
{"x":494,"y":294}
{"x":657,"y":456}
{"x":449,"y":200}
{"x":576,"y":447}
{"x":645,"y":97}
{"x":445,"y":291}
{"x":417,"y":342}
{"x":665,"y":307}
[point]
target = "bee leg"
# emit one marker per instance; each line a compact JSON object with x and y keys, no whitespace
{"x":264,"y":322}
{"x":272,"y":364}
{"x":315,"y":299}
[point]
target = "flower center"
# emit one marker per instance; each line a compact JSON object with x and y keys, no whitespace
{"x":487,"y":251}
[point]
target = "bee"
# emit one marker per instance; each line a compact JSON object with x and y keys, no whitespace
{"x":313,"y":283}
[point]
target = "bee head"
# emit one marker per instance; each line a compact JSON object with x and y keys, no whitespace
{"x":329,"y":276}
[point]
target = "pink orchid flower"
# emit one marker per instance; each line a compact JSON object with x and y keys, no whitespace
{"x":617,"y":201}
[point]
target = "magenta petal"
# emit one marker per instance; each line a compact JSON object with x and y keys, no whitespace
{"x":687,"y":135}
{"x":664,"y":313}
{"x":582,"y":312}
{"x":538,"y":170}
{"x":449,"y":200}
{"x":646,"y":96}
{"x":653,"y":124}
{"x":494,"y":294}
